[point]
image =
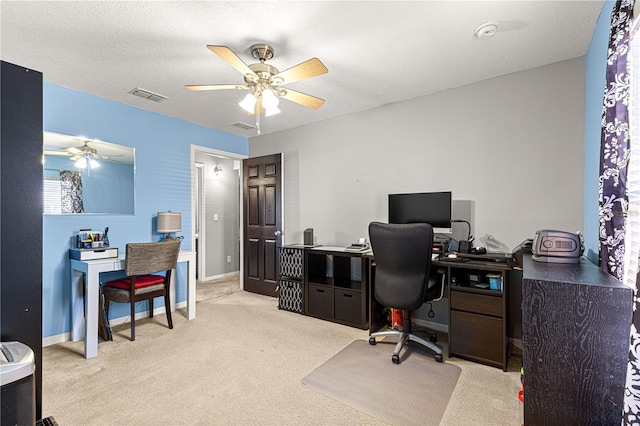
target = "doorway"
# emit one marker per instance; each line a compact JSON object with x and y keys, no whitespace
{"x":216,"y":211}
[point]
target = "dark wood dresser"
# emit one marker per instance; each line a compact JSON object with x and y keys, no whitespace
{"x":575,"y":331}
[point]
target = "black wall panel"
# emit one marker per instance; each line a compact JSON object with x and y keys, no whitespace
{"x":21,"y":211}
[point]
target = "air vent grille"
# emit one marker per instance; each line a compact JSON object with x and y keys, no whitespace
{"x":146,"y":94}
{"x":244,"y":126}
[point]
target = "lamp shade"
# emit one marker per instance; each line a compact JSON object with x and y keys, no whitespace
{"x":169,"y":222}
{"x":248,"y":103}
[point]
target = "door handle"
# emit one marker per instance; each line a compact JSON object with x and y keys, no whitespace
{"x":277,"y":233}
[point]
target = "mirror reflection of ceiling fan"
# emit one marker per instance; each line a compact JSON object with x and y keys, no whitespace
{"x":84,"y":151}
{"x":265,"y":82}
{"x":84,"y":155}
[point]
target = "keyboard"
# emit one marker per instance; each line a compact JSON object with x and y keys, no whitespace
{"x":454,"y":259}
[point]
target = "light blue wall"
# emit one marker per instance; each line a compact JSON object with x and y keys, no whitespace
{"x":163,"y":182}
{"x":595,"y":80}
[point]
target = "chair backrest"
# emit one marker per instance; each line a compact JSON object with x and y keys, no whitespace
{"x":148,"y":258}
{"x":402,"y":254}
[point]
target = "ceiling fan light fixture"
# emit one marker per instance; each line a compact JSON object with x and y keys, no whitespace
{"x":271,"y":111}
{"x":248,"y":103}
{"x":81,"y":163}
{"x":269,"y":100}
{"x":93,"y":163}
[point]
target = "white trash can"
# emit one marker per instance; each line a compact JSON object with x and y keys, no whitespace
{"x":17,"y":384}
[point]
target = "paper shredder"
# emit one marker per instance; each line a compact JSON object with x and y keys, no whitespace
{"x":17,"y":384}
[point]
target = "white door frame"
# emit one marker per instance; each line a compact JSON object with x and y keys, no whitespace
{"x":231,"y":155}
{"x":198,"y":223}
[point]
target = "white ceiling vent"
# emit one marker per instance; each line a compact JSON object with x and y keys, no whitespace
{"x":146,"y":94}
{"x":244,"y":126}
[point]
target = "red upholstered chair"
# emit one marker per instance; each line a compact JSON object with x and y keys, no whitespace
{"x":143,"y":263}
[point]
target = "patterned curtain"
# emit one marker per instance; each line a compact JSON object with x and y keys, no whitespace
{"x":71,"y":192}
{"x":615,"y":149}
{"x":614,"y":184}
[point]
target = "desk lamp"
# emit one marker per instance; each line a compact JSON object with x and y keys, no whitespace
{"x":169,"y":222}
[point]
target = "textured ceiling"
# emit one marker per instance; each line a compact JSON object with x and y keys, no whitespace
{"x":376,"y":52}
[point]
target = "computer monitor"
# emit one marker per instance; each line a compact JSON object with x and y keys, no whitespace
{"x":424,"y":207}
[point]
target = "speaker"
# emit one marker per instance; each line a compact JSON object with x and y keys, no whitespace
{"x":308,"y":237}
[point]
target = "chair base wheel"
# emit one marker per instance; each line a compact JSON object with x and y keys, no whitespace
{"x":372,"y":340}
{"x":438,"y":358}
{"x":395,"y":359}
{"x":433,"y":338}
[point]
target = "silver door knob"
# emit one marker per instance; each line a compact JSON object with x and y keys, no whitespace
{"x":277,"y":233}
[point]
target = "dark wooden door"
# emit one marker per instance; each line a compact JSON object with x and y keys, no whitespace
{"x":262,"y":222}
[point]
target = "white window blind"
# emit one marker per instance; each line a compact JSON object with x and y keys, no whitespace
{"x":52,"y":195}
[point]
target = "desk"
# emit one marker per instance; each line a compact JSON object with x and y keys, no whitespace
{"x":477,"y":317}
{"x":85,"y":310}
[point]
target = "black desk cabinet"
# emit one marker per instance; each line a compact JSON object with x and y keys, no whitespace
{"x":575,"y":329}
{"x":332,"y":291}
{"x":477,"y":316}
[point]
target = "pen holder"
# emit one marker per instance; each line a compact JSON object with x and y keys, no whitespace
{"x":464,"y":246}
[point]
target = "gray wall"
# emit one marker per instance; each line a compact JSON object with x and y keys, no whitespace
{"x":221,"y":197}
{"x":511,"y":147}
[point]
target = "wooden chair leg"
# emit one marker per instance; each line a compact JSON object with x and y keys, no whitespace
{"x":133,"y":320}
{"x":167,"y":308}
{"x":151,"y":308}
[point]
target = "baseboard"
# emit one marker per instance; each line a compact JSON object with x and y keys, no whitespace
{"x":54,"y":340}
{"x":66,"y":337}
{"x":221,"y":276}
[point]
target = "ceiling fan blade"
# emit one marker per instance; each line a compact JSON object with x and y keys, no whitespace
{"x":73,"y":150}
{"x":307,"y":69}
{"x":195,"y":87}
{"x":303,"y":99}
{"x":51,"y":152}
{"x":232,"y":59}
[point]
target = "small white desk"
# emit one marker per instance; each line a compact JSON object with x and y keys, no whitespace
{"x":85,"y":310}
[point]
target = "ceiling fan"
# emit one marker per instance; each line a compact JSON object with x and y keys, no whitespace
{"x":83,"y":151}
{"x":84,"y":155}
{"x":265,"y":81}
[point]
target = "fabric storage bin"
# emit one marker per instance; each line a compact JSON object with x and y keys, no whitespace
{"x":291,"y":296}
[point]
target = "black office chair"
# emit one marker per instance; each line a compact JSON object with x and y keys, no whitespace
{"x":403,"y":262}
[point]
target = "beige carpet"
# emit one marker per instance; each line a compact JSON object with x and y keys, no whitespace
{"x":207,"y":290}
{"x":362,"y":376}
{"x":240,"y":362}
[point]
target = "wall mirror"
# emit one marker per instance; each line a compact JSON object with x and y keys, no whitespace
{"x":87,"y":176}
